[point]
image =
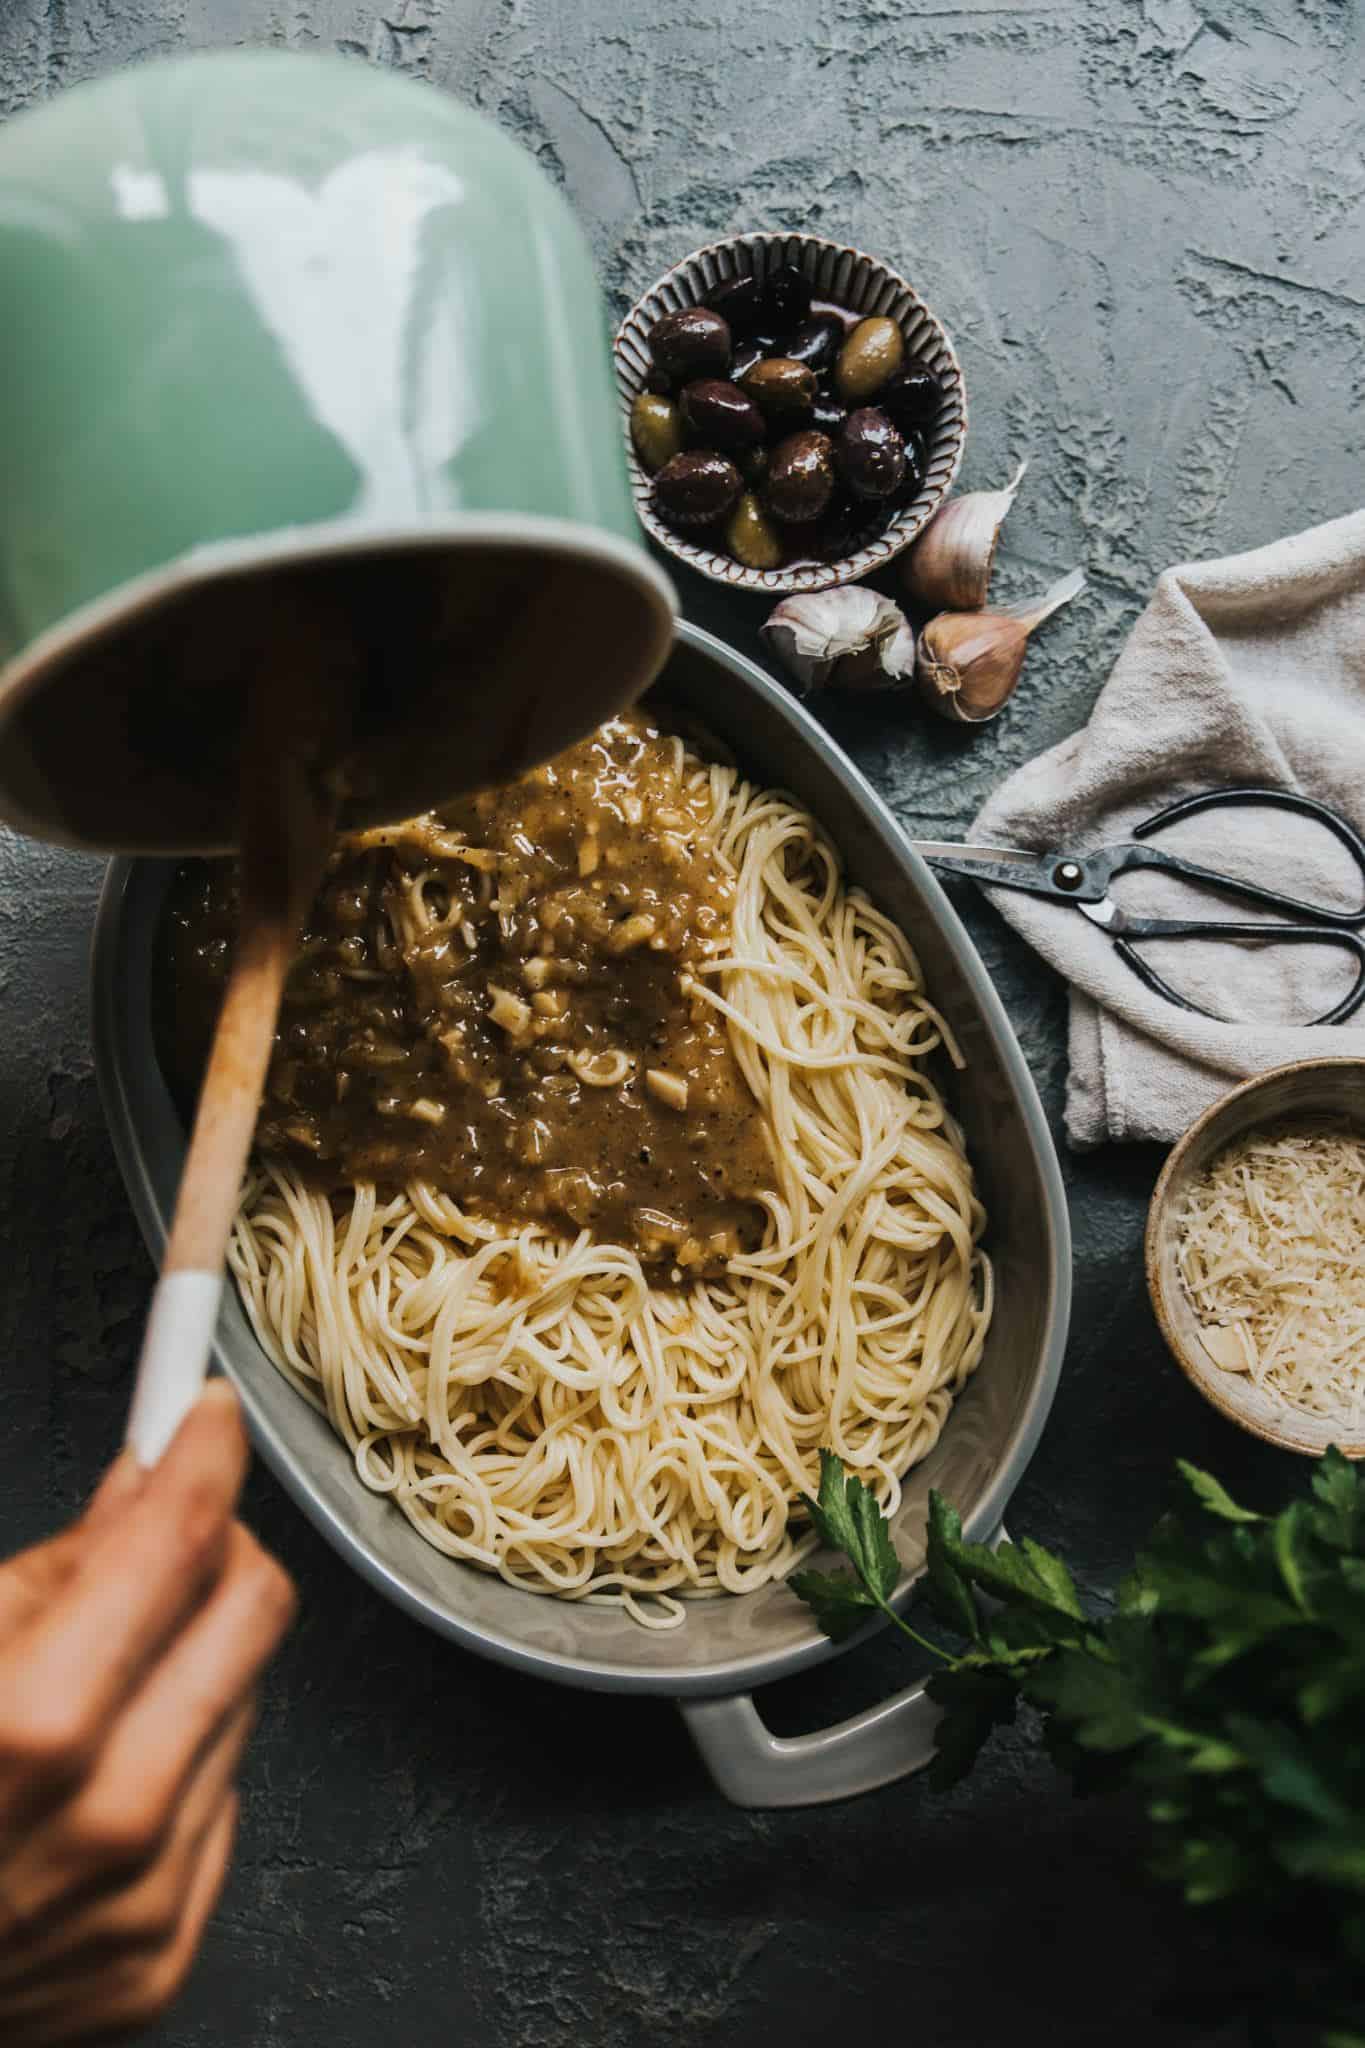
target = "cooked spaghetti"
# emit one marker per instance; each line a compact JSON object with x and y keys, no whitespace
{"x":631,"y":1415}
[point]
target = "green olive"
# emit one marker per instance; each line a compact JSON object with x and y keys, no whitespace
{"x":873,"y":352}
{"x":751,"y":537}
{"x":656,"y":430}
{"x":780,"y":388}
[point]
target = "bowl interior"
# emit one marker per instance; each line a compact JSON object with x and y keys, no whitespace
{"x":500,"y":639}
{"x":725,"y":1645}
{"x":857,"y":283}
{"x":1333,"y":1088}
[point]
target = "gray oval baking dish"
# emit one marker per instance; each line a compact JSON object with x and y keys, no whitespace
{"x":727,"y":1647}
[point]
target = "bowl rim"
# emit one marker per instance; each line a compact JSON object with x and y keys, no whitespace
{"x":777,"y":583}
{"x":41,"y":662}
{"x":1157,"y":1210}
{"x":686,"y":1677}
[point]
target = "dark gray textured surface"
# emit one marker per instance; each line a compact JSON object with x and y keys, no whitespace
{"x":1142,"y":223}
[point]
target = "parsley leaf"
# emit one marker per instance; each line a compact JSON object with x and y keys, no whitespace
{"x":1094,"y":1698}
{"x":1288,"y":1534}
{"x":1012,"y":1571}
{"x":1289,"y":1773}
{"x":977,"y":1698}
{"x":1212,"y":1495}
{"x":1336,"y":1501}
{"x":839,"y":1603}
{"x":848,"y":1519}
{"x":950,"y":1591}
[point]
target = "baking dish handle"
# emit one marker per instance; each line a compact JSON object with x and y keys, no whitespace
{"x":754,"y":1767}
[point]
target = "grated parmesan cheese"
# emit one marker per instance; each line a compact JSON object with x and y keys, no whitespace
{"x":1272,"y":1258}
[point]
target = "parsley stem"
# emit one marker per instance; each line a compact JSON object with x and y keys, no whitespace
{"x":906,"y":1630}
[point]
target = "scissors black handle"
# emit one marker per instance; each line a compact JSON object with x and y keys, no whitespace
{"x":1120,"y":860}
{"x":1266,"y":934}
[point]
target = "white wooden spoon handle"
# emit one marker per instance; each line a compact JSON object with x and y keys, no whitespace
{"x":175,"y":1348}
{"x":288,"y":817}
{"x":174,"y":1361}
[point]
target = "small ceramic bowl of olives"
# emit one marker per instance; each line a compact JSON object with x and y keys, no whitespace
{"x":795,"y":413}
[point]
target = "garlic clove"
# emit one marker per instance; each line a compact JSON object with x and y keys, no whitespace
{"x":949,"y":567}
{"x":968,"y":663}
{"x":1031,"y":611}
{"x":896,"y":653}
{"x":846,"y":638}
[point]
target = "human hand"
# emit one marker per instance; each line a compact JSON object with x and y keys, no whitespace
{"x":130,"y":1648}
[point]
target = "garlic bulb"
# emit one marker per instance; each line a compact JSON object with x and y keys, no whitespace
{"x":949,"y":567}
{"x":968,"y":663}
{"x":847,"y":638}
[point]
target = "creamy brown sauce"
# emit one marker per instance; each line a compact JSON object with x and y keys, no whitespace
{"x":488,"y":998}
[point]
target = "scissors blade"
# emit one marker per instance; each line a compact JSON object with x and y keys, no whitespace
{"x":1007,"y":865}
{"x":1106,"y":914}
{"x":953,"y":849}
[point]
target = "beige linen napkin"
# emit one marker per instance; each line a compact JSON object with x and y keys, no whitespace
{"x":1249,"y":670}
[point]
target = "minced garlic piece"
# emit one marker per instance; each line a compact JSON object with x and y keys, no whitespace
{"x":508,"y":1012}
{"x":670,"y":1089}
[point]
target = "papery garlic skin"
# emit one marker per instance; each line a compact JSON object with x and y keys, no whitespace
{"x":846,"y":638}
{"x":949,"y":567}
{"x":896,"y":654}
{"x":967,"y":664}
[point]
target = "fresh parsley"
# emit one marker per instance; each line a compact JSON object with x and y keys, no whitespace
{"x":1225,"y":1681}
{"x":847,"y":1519}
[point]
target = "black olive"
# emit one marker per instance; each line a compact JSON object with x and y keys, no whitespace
{"x":828,"y":416}
{"x":747,"y":354}
{"x":695,"y":489}
{"x":800,"y":477}
{"x":781,"y":388}
{"x":693,"y":343}
{"x":916,"y":463}
{"x":752,"y":464}
{"x":816,"y":342}
{"x":786,"y":298}
{"x":718,"y":415}
{"x":847,"y":526}
{"x":871,"y":454}
{"x":912,"y":397}
{"x":736,"y":299}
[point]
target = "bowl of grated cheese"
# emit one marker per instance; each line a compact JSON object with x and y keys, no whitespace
{"x":1256,"y":1255}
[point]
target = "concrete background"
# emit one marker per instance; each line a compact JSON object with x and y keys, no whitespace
{"x":1142,"y":223}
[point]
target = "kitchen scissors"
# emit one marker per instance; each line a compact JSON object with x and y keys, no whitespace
{"x":1084,"y":879}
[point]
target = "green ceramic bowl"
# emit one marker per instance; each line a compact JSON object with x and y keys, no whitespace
{"x":284,"y":332}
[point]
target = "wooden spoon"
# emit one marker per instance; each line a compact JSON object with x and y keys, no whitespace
{"x":289,"y":810}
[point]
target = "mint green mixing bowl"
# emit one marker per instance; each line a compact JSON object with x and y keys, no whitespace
{"x":285,"y":332}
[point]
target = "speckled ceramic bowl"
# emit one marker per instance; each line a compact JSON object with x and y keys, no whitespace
{"x":1331,"y":1088}
{"x":857,"y":283}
